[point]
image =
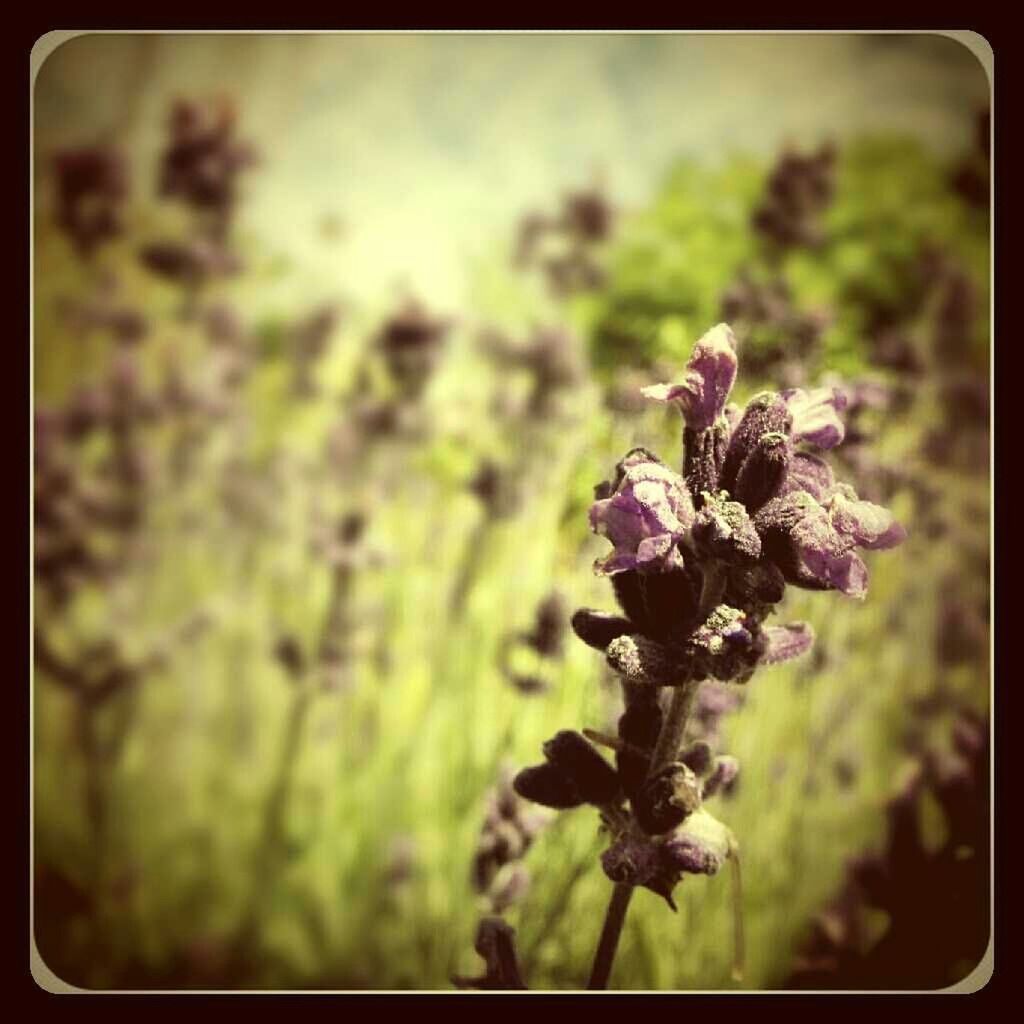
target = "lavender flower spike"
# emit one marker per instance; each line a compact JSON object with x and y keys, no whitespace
{"x":710,"y":375}
{"x":816,"y":415}
{"x":644,"y":519}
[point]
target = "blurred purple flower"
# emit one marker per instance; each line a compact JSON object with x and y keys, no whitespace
{"x":816,"y":415}
{"x":787,"y":642}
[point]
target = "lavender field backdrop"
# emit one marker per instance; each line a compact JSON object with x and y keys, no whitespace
{"x":334,"y":337}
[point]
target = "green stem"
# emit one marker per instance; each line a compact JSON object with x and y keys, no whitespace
{"x":471,"y":562}
{"x":665,"y":752}
{"x":670,"y":738}
{"x":739,"y":941}
{"x":614,"y":919}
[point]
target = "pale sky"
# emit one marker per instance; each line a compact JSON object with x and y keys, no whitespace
{"x":430,"y":146}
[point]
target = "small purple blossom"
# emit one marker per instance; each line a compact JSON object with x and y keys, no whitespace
{"x":813,"y":542}
{"x":646,"y":517}
{"x":787,"y":642}
{"x":690,"y":855}
{"x":809,"y":473}
{"x":723,"y":776}
{"x":868,"y":525}
{"x":710,"y":375}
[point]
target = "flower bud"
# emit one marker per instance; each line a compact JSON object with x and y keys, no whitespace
{"x":755,"y":589}
{"x":590,"y":774}
{"x":722,"y":776}
{"x":547,"y":785}
{"x":700,"y":846}
{"x":703,"y":457}
{"x":688,"y":854}
{"x":697,"y":757}
{"x":639,"y":726}
{"x":599,"y":629}
{"x":727,"y":646}
{"x":667,"y":799}
{"x":765,"y":413}
{"x":660,"y":605}
{"x":724,"y":531}
{"x":630,"y":860}
{"x":646,"y":662}
{"x":763,"y":472}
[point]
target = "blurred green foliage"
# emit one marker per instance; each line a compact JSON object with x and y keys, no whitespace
{"x":675,"y":260}
{"x":408,"y":745}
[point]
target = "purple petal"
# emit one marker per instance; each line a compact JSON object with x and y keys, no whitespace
{"x":846,"y":572}
{"x":652,"y":549}
{"x":644,"y":519}
{"x":809,"y":473}
{"x":691,"y":856}
{"x":828,"y":556}
{"x":710,"y":375}
{"x":866,"y":524}
{"x":816,"y":415}
{"x":722,"y":776}
{"x":787,"y":642}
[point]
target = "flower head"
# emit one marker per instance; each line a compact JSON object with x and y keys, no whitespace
{"x":699,"y":563}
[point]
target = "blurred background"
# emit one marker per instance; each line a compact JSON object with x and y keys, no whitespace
{"x":334,"y":335}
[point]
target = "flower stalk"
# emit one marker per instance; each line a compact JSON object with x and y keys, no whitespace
{"x":699,"y":561}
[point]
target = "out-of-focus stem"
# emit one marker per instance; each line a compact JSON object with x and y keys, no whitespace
{"x":272,"y":836}
{"x":470,"y":565}
{"x":555,"y":911}
{"x":739,"y":942}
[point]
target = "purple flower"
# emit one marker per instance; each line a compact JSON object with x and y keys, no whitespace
{"x":645,"y":518}
{"x":787,"y":642}
{"x":722,"y":778}
{"x":812,"y":542}
{"x":809,"y":473}
{"x":816,"y":415}
{"x":710,"y":375}
{"x":866,"y":524}
{"x":691,"y":855}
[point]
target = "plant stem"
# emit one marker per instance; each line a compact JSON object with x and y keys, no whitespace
{"x":739,"y":943}
{"x":614,"y":919}
{"x":670,"y":738}
{"x":666,"y":750}
{"x":470,"y":567}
